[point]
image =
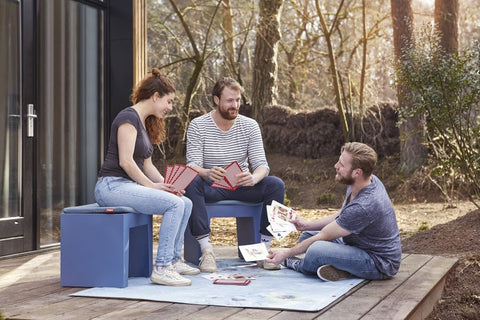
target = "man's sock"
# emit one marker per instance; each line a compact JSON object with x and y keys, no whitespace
{"x":267,"y":240}
{"x":204,"y":241}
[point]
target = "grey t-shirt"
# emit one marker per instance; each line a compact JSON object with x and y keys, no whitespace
{"x":371,"y":219}
{"x":143,"y":145}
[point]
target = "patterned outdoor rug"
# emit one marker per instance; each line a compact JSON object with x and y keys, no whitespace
{"x":282,"y":289}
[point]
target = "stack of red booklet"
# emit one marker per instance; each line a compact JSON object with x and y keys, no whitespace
{"x":179,"y":176}
{"x":229,"y":181}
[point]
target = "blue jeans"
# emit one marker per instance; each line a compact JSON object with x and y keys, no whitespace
{"x":340,"y":255}
{"x":118,"y":191}
{"x":200,"y":192}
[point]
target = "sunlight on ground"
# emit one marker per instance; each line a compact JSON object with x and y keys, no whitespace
{"x":411,"y":218}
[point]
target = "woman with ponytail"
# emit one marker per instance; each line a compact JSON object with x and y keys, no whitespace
{"x":129,"y":178}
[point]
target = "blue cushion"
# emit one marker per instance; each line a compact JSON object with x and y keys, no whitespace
{"x":95,"y":208}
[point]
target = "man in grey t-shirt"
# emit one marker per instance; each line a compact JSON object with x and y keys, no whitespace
{"x":362,"y":239}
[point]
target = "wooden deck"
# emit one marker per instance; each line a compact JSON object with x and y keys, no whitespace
{"x":30,"y":289}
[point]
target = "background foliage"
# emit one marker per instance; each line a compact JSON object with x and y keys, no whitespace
{"x":303,"y":76}
{"x":446,"y":88}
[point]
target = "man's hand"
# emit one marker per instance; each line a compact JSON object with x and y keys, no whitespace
{"x":216,"y":174}
{"x":246,"y":179}
{"x":300,"y":224}
{"x":277,"y":257}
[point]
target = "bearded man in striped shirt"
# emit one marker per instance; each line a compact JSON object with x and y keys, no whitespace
{"x":215,"y":140}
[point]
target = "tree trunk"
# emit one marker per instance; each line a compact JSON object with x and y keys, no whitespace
{"x":412,"y":151}
{"x":265,"y":61}
{"x":198,"y":57}
{"x":364,"y":57}
{"x":333,"y":68}
{"x":229,"y":48}
{"x":446,"y":23}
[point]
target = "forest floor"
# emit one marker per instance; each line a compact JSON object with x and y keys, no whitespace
{"x":428,"y":224}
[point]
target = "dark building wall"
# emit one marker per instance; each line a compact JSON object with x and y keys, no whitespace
{"x":119,"y":59}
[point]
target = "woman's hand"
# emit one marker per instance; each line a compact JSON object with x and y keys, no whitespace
{"x":277,"y":257}
{"x":164,"y":187}
{"x":169,"y":188}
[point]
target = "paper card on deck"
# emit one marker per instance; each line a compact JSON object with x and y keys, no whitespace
{"x":186,"y":176}
{"x":254,"y":252}
{"x":214,"y":276}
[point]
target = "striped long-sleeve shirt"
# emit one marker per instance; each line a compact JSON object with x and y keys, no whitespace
{"x":208,"y":146}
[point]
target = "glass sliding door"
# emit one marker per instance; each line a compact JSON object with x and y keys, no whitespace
{"x":11,"y":219}
{"x":70,"y":109}
{"x":10,"y":113}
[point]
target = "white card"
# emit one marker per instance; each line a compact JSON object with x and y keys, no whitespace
{"x":254,"y":252}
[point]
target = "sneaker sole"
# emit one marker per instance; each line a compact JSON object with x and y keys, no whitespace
{"x":331,"y":274}
{"x":208,"y":270}
{"x":172,"y":284}
{"x":190,"y":273}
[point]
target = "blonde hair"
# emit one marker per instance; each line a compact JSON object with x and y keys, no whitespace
{"x":155,"y":82}
{"x":363,"y":157}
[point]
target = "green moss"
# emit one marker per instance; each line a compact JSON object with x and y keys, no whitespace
{"x":423,"y":226}
{"x":325,"y":198}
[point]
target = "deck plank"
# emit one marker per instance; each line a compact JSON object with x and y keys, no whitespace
{"x":29,"y":305}
{"x":250,"y":314}
{"x":404,"y":300}
{"x":133,"y":311}
{"x":212,"y":312}
{"x":73,"y":309}
{"x":366,"y":298}
{"x":174,"y":311}
{"x":30,"y":289}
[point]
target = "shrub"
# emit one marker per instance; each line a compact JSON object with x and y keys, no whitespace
{"x":446,"y":89}
{"x":325,"y":198}
{"x":423,"y":226}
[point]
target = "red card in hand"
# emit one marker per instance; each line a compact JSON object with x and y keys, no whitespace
{"x":179,"y":176}
{"x":229,"y":182}
{"x":183,"y":179}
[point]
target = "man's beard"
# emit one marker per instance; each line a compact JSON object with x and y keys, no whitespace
{"x":226,"y":114}
{"x":345,"y":180}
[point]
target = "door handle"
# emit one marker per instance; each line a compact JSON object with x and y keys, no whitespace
{"x":31,"y":115}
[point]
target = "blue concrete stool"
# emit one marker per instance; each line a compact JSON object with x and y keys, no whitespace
{"x":248,"y":225}
{"x":103,"y":246}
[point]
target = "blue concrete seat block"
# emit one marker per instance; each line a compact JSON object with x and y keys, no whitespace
{"x":103,"y":246}
{"x":248,"y":225}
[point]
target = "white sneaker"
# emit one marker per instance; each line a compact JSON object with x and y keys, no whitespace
{"x":207,"y":261}
{"x":182,"y":268}
{"x":168,"y":276}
